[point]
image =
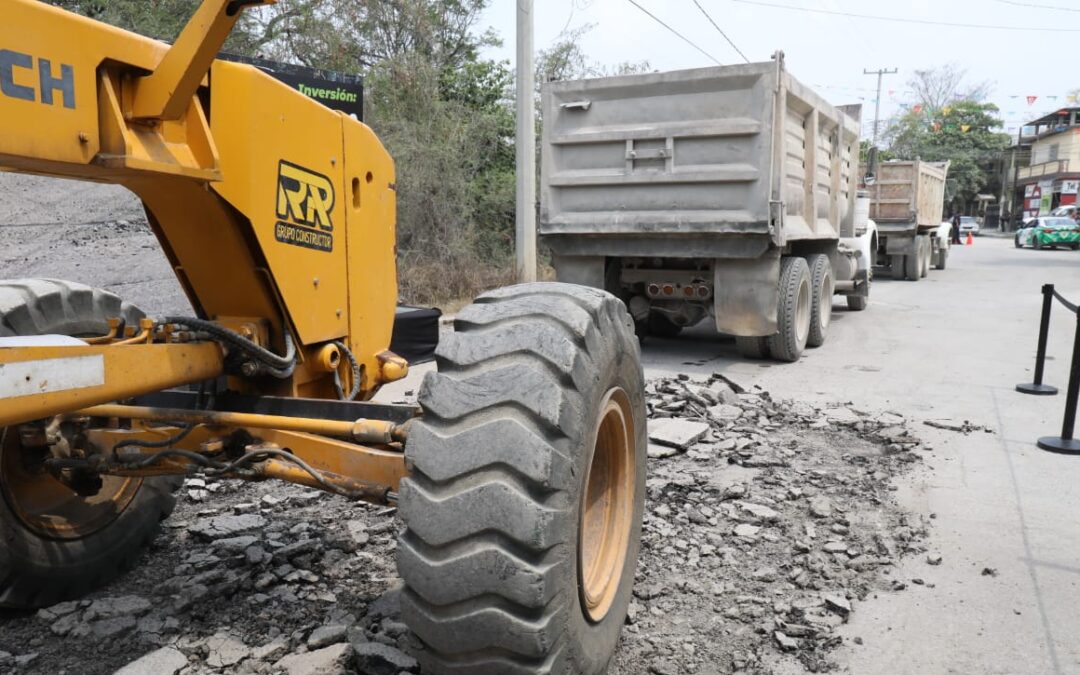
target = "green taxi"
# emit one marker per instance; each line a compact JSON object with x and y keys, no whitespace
{"x":1049,"y":232}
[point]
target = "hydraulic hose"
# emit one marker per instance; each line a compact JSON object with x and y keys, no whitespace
{"x":280,"y":367}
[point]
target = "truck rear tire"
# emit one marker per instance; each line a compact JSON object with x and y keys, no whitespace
{"x":794,"y":317}
{"x":927,"y":251}
{"x":913,"y":264}
{"x":857,"y":303}
{"x":54,"y":544}
{"x":823,"y":285}
{"x":523,"y":507}
{"x":752,"y":347}
{"x":663,"y":327}
{"x":942,"y":258}
{"x":899,"y":266}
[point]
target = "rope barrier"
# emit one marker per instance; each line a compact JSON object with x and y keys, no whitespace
{"x":1065,"y":443}
{"x":1062,"y":300}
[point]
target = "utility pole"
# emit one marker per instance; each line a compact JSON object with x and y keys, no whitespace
{"x":877,"y":103}
{"x":525,"y":231}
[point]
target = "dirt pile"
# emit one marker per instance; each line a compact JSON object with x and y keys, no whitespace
{"x":245,"y":578}
{"x":766,"y":522}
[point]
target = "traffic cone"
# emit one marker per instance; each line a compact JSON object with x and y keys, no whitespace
{"x":970,"y":240}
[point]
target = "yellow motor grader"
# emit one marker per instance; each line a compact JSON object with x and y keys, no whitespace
{"x":520,"y":477}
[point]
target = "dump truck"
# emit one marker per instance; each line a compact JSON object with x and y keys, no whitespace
{"x":907,"y":200}
{"x":519,"y":478}
{"x":726,"y":192}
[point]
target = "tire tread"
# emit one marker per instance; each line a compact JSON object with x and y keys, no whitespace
{"x":491,"y":477}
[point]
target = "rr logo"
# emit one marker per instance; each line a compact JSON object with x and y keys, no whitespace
{"x":305,"y":200}
{"x":304,"y":197}
{"x":47,"y":83}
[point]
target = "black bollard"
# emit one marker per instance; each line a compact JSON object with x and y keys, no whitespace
{"x":1037,"y":388}
{"x":1065,"y":444}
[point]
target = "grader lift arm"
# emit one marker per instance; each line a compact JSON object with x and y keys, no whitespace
{"x":519,"y":478}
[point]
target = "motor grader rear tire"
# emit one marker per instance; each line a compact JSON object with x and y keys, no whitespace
{"x":54,"y":544}
{"x":523,"y":505}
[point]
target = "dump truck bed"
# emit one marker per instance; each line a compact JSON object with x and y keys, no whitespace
{"x":910,"y":194}
{"x":700,"y":154}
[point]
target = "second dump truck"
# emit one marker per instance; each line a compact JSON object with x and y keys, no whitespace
{"x":727,"y":192}
{"x":907,"y":201}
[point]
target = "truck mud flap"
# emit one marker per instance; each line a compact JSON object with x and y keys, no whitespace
{"x":746,"y":297}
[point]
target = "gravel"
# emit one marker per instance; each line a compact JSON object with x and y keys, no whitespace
{"x":761,"y":538}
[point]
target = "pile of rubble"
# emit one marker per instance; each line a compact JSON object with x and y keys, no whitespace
{"x":766,"y":522}
{"x":246,"y":578}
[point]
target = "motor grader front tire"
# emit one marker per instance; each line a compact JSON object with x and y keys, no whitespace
{"x":523,"y":505}
{"x":56,"y":545}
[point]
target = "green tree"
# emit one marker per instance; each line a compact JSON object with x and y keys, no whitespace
{"x":352,"y":36}
{"x":963,"y":133}
{"x":164,"y":19}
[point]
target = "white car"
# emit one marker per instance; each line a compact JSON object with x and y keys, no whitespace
{"x":969,"y":224}
{"x":1064,"y":211}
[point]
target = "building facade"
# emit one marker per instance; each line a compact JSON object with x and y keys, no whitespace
{"x":1044,"y":166}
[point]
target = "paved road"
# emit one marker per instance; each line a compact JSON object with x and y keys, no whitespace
{"x":953,"y":346}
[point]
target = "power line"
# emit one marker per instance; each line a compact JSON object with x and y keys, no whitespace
{"x":709,"y":17}
{"x":923,"y":22}
{"x":684,"y":38}
{"x":1038,"y":6}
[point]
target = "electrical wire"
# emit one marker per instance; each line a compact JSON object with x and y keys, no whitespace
{"x":573,"y":7}
{"x":684,"y":38}
{"x":1056,"y":8}
{"x":212,"y":467}
{"x":729,"y":41}
{"x":185,"y":429}
{"x":355,"y":389}
{"x":895,"y":19}
{"x":215,"y":468}
{"x":153,"y":459}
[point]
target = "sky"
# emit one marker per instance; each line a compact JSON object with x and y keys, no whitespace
{"x":829,"y":52}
